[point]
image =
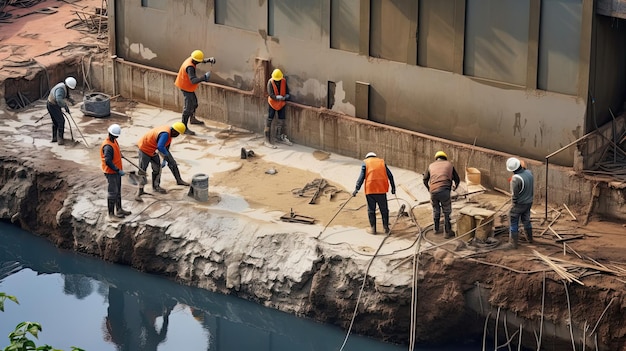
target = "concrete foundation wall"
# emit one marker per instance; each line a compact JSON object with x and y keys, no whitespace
{"x":514,"y":119}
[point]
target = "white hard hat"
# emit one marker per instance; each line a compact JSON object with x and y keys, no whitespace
{"x":70,"y":82}
{"x":370,"y":154}
{"x":115,"y":130}
{"x":512,"y":164}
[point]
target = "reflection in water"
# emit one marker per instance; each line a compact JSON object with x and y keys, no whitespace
{"x":141,"y":312}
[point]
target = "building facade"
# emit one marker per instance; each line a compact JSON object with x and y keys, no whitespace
{"x":524,"y":77}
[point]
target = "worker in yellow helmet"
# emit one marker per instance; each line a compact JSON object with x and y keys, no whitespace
{"x":188,"y":82}
{"x":159,"y":139}
{"x":440,"y":178}
{"x":278,"y":94}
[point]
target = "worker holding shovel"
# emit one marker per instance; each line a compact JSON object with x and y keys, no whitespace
{"x":159,"y":139}
{"x":111,"y":157}
{"x":58,"y":98}
{"x":377,"y":177}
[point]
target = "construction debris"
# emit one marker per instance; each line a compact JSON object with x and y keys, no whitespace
{"x":296,"y":218}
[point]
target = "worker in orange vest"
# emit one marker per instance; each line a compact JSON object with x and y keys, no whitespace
{"x":377,"y":177}
{"x":278,"y":94}
{"x":188,"y":82}
{"x":159,"y":139}
{"x":111,"y":164}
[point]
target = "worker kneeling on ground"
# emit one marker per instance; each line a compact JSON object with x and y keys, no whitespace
{"x":440,"y":178}
{"x":377,"y":177}
{"x":159,"y":139}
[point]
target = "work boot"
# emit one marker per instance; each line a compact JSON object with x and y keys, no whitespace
{"x":179,"y":180}
{"x":60,"y":139}
{"x":139,"y":193}
{"x":111,"y":207}
{"x":244,"y":154}
{"x":513,"y":237}
{"x":371,"y":230}
{"x":447,"y":228}
{"x":189,"y":132}
{"x":267,"y":143}
{"x":529,"y":234}
{"x":120,"y":210}
{"x":194,"y":120}
{"x":437,"y":227}
{"x":386,"y":223}
{"x":159,"y":190}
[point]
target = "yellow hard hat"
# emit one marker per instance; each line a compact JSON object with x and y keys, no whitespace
{"x":179,"y":127}
{"x":197,"y":55}
{"x":441,"y":154}
{"x":277,"y":74}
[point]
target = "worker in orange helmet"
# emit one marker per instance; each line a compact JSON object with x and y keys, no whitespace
{"x":188,"y":82}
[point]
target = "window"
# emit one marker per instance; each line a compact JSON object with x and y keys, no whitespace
{"x":241,"y":14}
{"x":393,"y":30}
{"x":496,"y":40}
{"x":344,"y":25}
{"x":154,"y":4}
{"x":300,"y":19}
{"x":559,"y":58}
{"x":437,"y":34}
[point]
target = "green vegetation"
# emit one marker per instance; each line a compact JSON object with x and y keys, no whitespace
{"x":19,"y":338}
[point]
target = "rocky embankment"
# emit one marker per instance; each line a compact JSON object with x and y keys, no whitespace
{"x":300,"y":274}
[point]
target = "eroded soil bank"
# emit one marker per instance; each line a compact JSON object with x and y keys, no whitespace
{"x":283,"y":267}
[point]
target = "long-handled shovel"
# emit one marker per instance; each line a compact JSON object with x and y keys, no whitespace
{"x":138,"y":178}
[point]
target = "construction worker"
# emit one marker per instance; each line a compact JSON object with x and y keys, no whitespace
{"x":377,"y":178}
{"x":278,"y":94}
{"x":187,"y":82}
{"x":440,"y":178}
{"x":522,"y":194}
{"x":58,"y":98}
{"x":159,"y":139}
{"x":111,"y":157}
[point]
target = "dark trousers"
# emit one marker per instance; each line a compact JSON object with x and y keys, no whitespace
{"x":155,"y":164}
{"x":58,"y":121}
{"x":114,"y":189}
{"x":441,"y":202}
{"x":381,"y":201}
{"x":191,"y":104}
{"x":520,"y":212}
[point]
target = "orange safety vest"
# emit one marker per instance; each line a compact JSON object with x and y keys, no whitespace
{"x":117,"y":156}
{"x":376,"y":180}
{"x":278,"y":104}
{"x":182,"y":79}
{"x":148,"y":143}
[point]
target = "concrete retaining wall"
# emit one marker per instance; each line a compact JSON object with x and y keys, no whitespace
{"x":349,"y":136}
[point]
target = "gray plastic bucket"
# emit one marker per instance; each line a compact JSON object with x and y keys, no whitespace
{"x":200,"y":186}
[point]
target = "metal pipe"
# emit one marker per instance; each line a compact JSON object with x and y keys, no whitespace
{"x":556,"y":152}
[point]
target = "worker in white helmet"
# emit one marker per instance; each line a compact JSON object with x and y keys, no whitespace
{"x":111,"y":157}
{"x":58,"y":98}
{"x":522,"y":195}
{"x":377,"y":177}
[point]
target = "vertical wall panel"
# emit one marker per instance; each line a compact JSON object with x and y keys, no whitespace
{"x":436,"y":34}
{"x":559,"y":58}
{"x":496,"y":41}
{"x":344,"y":25}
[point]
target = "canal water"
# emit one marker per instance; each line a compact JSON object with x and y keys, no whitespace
{"x":85,"y":302}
